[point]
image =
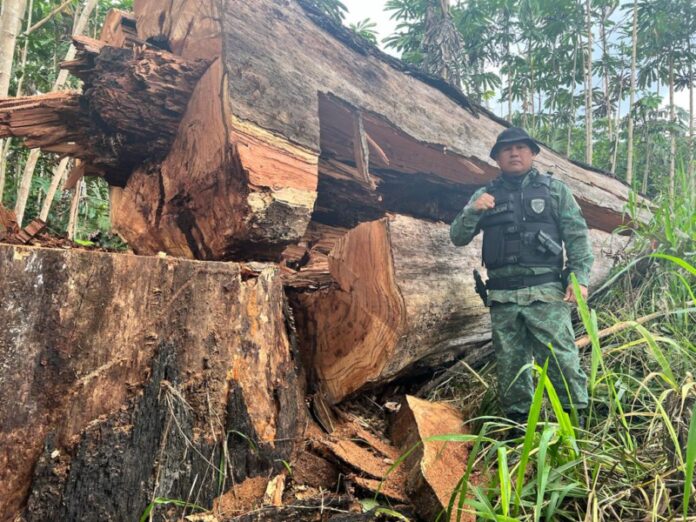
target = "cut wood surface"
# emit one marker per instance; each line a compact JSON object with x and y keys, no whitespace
{"x":220,"y":206}
{"x":394,"y":295}
{"x":434,"y":467}
{"x":403,"y":294}
{"x":123,"y":376}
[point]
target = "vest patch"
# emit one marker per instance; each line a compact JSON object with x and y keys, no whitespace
{"x":538,"y":205}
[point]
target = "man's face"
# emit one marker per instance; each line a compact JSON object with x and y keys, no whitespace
{"x":515,"y":158}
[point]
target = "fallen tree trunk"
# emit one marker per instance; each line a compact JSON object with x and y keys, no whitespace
{"x":128,"y":378}
{"x":393,"y":296}
{"x":356,"y":135}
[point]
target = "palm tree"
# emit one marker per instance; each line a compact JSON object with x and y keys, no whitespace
{"x":366,"y":29}
{"x":442,"y":45}
{"x":334,"y":9}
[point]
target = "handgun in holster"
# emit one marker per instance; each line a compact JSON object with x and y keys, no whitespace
{"x":547,"y":244}
{"x":481,"y":289}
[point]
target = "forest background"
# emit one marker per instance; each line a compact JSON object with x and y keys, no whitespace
{"x":566,"y":70}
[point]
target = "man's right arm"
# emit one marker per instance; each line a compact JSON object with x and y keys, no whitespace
{"x":465,"y":226}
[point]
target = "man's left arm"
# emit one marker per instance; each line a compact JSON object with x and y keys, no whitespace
{"x":576,"y":238}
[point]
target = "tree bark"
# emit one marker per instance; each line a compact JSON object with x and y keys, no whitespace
{"x":606,"y":13}
{"x":129,"y":378}
{"x":588,"y":87}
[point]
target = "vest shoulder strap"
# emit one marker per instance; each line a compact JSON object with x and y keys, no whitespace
{"x":544,"y":179}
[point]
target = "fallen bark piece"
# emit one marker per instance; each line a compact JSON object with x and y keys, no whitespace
{"x":312,"y":470}
{"x":31,"y":231}
{"x":124,"y":377}
{"x":241,"y":498}
{"x":365,"y":458}
{"x":434,"y":467}
{"x":274,"y":491}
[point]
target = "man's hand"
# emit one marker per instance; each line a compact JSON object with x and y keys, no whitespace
{"x":570,"y":295}
{"x":485,"y":202}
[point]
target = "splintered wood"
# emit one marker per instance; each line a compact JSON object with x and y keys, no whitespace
{"x":364,"y":458}
{"x":128,"y":112}
{"x":434,"y":468}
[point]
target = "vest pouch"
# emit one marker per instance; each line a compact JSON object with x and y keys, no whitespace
{"x":493,"y":252}
{"x":504,"y":212}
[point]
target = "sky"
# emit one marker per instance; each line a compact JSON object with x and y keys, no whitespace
{"x":374,"y":10}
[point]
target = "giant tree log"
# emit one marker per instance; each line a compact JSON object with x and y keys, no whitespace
{"x":399,"y":106}
{"x":292,"y":91}
{"x":127,"y":378}
{"x":392,"y":296}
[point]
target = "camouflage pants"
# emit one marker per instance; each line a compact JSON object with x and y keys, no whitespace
{"x":523,"y":332}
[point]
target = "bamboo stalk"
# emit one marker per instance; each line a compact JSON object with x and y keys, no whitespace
{"x":25,"y":184}
{"x":584,"y":341}
{"x":74,"y":210}
{"x":58,"y":176}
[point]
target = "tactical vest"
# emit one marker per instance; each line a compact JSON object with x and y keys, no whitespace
{"x":518,"y":229}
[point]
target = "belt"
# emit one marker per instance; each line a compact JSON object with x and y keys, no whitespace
{"x":517,"y":282}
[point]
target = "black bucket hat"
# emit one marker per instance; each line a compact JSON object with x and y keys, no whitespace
{"x":513,"y":135}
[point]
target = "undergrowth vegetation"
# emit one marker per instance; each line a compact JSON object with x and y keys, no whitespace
{"x":634,"y":457}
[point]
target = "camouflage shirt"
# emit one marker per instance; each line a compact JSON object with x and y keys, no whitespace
{"x":573,"y":232}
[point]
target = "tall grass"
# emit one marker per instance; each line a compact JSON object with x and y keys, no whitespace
{"x":634,"y":458}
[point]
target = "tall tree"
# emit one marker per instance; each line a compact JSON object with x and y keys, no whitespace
{"x":10,"y":23}
{"x":442,"y":45}
{"x":588,"y":84}
{"x":28,"y":174}
{"x":632,"y":93}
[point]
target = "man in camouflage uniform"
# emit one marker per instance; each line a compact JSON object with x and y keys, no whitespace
{"x":525,"y":217}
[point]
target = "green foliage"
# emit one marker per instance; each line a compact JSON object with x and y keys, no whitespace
{"x":167,"y":501}
{"x":533,"y":54}
{"x":334,"y":9}
{"x":46,"y":47}
{"x":367,"y":29}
